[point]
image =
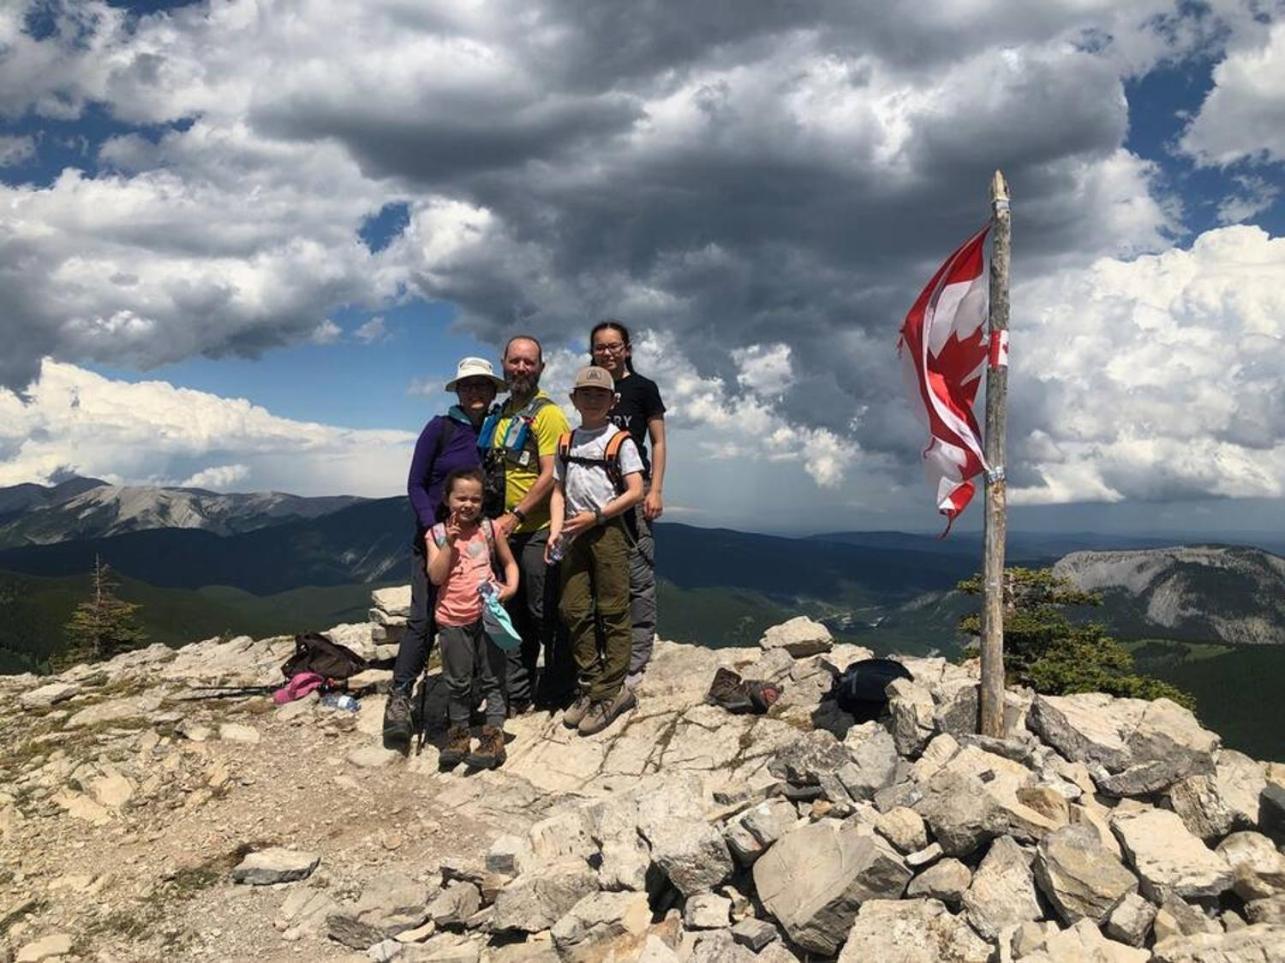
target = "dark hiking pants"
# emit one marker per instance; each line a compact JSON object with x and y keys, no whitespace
{"x":534,"y":612}
{"x":412,"y":652}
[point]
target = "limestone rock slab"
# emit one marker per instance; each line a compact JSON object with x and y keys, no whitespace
{"x":1079,"y":876}
{"x":275,"y":865}
{"x":946,"y":881}
{"x":1083,"y":943}
{"x":390,"y":904}
{"x":394,"y":601}
{"x":1002,"y":891}
{"x":1212,"y":805}
{"x":911,"y":931}
{"x":800,"y":636}
{"x":1260,"y":943}
{"x":537,"y":899}
{"x":48,"y":695}
{"x":1143,"y":746}
{"x":602,"y":926}
{"x":1131,"y":920}
{"x":1258,"y":866}
{"x":813,"y":880}
{"x":1167,"y":858}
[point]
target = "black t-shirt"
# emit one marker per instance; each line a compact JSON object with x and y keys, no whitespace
{"x":639,"y":403}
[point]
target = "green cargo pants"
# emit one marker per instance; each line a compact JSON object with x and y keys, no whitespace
{"x":595,"y":581}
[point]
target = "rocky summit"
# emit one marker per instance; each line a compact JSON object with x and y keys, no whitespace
{"x":153,"y":809}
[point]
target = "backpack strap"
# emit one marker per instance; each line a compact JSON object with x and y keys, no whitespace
{"x":518,"y":444}
{"x":612,"y":456}
{"x":609,"y":462}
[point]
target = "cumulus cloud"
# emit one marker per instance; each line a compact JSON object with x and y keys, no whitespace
{"x":217,"y":477}
{"x":1154,"y":379}
{"x":765,"y":369}
{"x":1243,"y":117}
{"x":151,"y":432}
{"x":715,"y":421}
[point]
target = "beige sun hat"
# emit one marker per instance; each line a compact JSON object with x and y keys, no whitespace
{"x":475,"y":368}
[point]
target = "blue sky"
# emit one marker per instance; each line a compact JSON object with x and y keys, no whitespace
{"x":193,"y":205}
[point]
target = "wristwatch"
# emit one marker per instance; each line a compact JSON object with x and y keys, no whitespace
{"x":519,"y":515}
{"x":598,"y":516}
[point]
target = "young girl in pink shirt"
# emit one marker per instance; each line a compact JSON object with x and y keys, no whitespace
{"x":460,"y":556}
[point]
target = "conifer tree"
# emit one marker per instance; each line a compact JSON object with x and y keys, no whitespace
{"x":1044,"y":650}
{"x":103,"y":624}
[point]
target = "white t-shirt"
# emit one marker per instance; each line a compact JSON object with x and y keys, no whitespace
{"x":587,"y":486}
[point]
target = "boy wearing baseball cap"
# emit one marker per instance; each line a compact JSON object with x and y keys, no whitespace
{"x":597,"y":478}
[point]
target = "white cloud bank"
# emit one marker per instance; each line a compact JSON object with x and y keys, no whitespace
{"x":152,"y":432}
{"x":1154,"y":379}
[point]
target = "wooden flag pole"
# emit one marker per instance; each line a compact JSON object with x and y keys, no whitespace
{"x":992,"y":688}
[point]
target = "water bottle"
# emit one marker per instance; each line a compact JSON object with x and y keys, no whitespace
{"x":559,"y":548}
{"x":340,"y":700}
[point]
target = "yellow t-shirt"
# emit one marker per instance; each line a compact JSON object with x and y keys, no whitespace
{"x":548,"y":426}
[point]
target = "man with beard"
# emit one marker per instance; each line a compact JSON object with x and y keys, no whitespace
{"x":519,"y":445}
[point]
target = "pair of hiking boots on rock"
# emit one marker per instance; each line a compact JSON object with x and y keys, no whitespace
{"x":489,"y":753}
{"x":588,"y":717}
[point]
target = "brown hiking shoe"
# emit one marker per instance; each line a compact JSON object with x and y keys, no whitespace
{"x":490,"y":752}
{"x":604,"y":712}
{"x":575,"y":712}
{"x":456,"y":748}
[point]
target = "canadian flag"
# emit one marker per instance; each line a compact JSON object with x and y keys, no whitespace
{"x":944,"y":352}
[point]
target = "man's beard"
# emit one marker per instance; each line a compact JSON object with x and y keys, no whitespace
{"x":523,"y":384}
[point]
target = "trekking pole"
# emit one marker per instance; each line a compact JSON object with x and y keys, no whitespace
{"x":423,"y":710}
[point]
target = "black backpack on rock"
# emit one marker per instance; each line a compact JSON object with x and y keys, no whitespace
{"x":314,"y":652}
{"x":859,"y":689}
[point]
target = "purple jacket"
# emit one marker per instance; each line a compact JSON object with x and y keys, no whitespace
{"x":433,"y":461}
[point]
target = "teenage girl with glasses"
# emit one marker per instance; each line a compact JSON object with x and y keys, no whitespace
{"x":640,"y":411}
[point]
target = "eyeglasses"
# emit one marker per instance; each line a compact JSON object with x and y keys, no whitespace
{"x":613,"y":347}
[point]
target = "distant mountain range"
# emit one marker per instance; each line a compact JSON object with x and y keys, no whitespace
{"x":1193,"y":593}
{"x":273,"y":552}
{"x":86,"y":508}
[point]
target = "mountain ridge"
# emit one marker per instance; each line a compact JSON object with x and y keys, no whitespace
{"x":1191,"y":592}
{"x":90,"y":508}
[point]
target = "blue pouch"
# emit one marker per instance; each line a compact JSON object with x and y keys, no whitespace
{"x":495,"y":620}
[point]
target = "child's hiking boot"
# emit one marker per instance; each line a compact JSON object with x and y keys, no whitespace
{"x":604,"y":712}
{"x":398,"y":722}
{"x":456,"y":748}
{"x":490,"y":752}
{"x":575,"y":712}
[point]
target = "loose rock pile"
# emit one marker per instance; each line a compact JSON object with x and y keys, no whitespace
{"x":389,"y":612}
{"x":1096,"y":829}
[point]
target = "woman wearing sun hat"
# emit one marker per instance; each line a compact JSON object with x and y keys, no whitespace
{"x":448,"y":442}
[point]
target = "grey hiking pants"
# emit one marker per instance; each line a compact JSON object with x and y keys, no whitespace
{"x":642,"y":594}
{"x":468,"y":654}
